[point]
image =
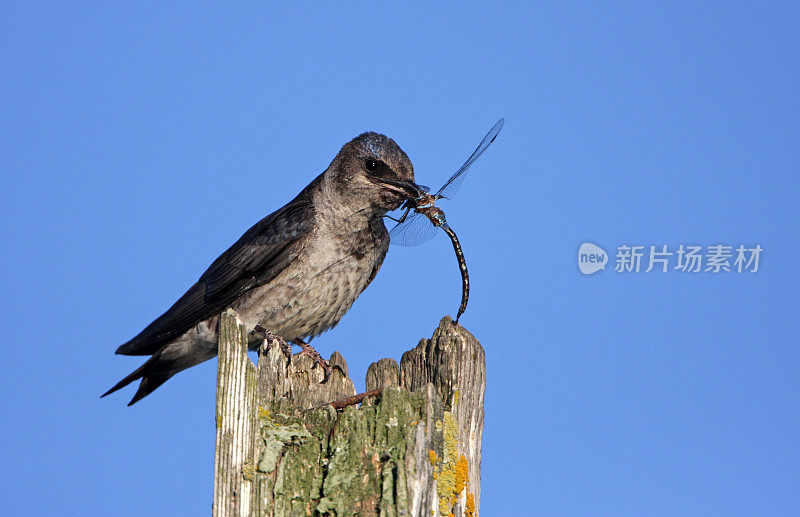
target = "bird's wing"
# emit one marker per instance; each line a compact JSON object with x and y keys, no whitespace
{"x":259,"y":254}
{"x":255,"y":259}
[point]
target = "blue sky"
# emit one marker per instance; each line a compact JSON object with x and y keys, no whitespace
{"x":139,"y":141}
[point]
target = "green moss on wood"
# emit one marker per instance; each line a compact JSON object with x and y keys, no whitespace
{"x":352,"y":463}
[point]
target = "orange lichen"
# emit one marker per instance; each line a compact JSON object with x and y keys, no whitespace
{"x":452,"y":469}
{"x":470,"y":504}
{"x":462,"y":474}
{"x":432,"y":457}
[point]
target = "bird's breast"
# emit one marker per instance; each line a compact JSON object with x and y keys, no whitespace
{"x":313,"y":293}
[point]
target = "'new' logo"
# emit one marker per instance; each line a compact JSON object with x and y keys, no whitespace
{"x":591,"y":258}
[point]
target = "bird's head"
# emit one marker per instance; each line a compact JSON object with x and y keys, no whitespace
{"x":373,"y":168}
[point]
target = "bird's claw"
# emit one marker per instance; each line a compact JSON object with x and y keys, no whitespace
{"x":308,"y":350}
{"x":273,"y":339}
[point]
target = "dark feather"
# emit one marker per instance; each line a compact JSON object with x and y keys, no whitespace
{"x":255,"y":259}
{"x":151,"y":379}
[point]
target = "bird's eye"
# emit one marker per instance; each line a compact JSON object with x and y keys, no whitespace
{"x":371,"y":165}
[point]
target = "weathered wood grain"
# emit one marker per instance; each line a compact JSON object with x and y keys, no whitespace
{"x":412,"y":450}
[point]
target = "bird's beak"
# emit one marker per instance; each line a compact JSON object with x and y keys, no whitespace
{"x":406,"y":188}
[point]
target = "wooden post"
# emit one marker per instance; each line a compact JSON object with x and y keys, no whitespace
{"x":414,"y":449}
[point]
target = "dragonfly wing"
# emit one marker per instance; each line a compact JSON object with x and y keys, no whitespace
{"x":416,"y":229}
{"x":451,"y":187}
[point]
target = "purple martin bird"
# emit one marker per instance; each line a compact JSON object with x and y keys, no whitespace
{"x":292,"y":275}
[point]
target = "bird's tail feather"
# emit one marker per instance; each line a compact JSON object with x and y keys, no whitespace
{"x":165,"y":363}
{"x":136,"y":374}
{"x":151,"y":377}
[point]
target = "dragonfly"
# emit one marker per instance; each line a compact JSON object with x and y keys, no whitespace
{"x":420,"y":226}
